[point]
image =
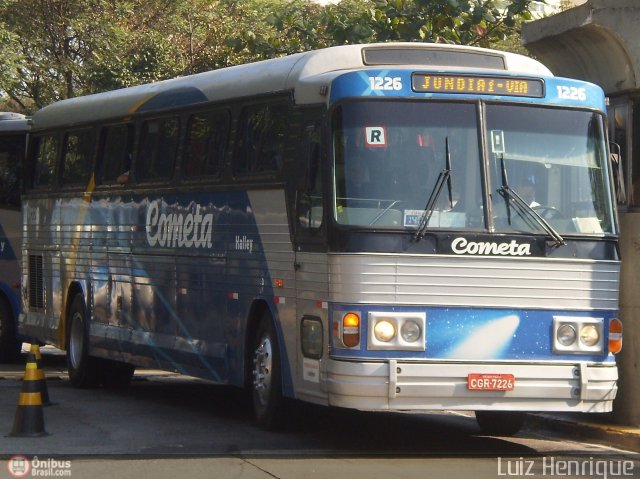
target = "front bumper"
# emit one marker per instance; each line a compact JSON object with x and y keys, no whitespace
{"x":403,"y":385}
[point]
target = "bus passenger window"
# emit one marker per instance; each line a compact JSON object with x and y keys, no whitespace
{"x":157,"y":150}
{"x":116,"y":150}
{"x":261,"y":141}
{"x":77,"y":160}
{"x":45,"y":161}
{"x":206,"y":144}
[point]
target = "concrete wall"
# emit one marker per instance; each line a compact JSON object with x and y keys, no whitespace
{"x":597,"y":41}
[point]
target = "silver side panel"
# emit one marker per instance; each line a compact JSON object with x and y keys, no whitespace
{"x":440,"y":280}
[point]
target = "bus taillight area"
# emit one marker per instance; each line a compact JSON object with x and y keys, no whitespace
{"x":405,"y":385}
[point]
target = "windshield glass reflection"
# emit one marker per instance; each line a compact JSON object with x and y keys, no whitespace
{"x":555,"y":160}
{"x":389,"y":155}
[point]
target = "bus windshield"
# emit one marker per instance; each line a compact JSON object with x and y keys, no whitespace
{"x":418,"y":165}
{"x":388,"y":156}
{"x":555,"y":160}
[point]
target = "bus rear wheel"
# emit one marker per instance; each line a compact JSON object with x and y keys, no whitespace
{"x":266,"y":380}
{"x":500,"y":423}
{"x":9,"y":344}
{"x":83,"y":369}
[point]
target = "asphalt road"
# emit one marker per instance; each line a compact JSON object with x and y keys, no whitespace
{"x":166,"y":425}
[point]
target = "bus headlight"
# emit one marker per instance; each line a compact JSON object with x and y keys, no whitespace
{"x":400,"y":331}
{"x":578,"y":335}
{"x":384,"y":331}
{"x":566,"y":335}
{"x":589,"y":335}
{"x":410,"y":331}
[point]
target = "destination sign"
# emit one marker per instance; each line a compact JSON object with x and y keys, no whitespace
{"x":477,"y":85}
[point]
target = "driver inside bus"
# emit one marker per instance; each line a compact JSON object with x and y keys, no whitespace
{"x":527,"y":191}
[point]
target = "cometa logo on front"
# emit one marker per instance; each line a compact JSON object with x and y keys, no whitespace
{"x":464,"y":246}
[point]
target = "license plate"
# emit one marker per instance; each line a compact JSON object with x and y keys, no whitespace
{"x":491,"y":382}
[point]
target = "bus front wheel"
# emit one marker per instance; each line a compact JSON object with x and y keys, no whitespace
{"x":266,"y":380}
{"x":500,"y":423}
{"x":83,"y":369}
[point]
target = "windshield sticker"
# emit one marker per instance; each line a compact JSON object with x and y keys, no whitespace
{"x":376,"y":136}
{"x":412,"y":218}
{"x":497,"y":142}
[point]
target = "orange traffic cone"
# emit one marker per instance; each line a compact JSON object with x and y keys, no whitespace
{"x":29,"y":419}
{"x":42,"y":382}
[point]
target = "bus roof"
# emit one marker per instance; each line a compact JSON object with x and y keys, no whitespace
{"x":13,"y":122}
{"x":301,"y":73}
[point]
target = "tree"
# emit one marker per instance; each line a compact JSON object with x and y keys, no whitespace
{"x":53,"y":40}
{"x":56,"y":49}
{"x":463,"y":22}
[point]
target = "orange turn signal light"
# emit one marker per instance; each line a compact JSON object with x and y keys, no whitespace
{"x":351,"y":330}
{"x":615,"y":336}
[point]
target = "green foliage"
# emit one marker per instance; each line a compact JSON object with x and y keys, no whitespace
{"x":462,"y":22}
{"x":55,"y":49}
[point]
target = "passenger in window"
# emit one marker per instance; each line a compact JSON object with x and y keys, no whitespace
{"x":123,"y":178}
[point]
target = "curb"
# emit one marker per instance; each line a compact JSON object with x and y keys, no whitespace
{"x":621,"y":437}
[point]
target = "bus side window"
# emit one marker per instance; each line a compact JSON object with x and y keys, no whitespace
{"x":116,"y":151}
{"x":77,"y":159}
{"x":206,"y":144}
{"x":260,"y":148}
{"x":157,"y":150}
{"x":309,"y":191}
{"x":46,"y":151}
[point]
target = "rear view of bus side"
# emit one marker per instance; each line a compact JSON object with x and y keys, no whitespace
{"x":379,"y":227}
{"x":13,"y":137}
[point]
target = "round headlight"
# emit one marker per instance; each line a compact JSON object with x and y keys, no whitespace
{"x":589,"y":335}
{"x":384,"y":331}
{"x":566,"y":335}
{"x":410,"y":331}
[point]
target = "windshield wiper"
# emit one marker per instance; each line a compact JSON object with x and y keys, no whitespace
{"x":509,"y":194}
{"x":443,"y":177}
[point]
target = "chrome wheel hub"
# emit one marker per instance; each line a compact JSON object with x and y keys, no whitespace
{"x":262,"y":369}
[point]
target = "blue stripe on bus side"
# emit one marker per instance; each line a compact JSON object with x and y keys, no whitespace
{"x":219,"y":249}
{"x":6,"y":250}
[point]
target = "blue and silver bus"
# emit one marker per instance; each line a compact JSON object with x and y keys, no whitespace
{"x":380,"y":227}
{"x":13,"y":138}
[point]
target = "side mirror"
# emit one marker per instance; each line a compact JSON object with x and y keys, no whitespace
{"x":618,"y":172}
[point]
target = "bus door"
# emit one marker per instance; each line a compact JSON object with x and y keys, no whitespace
{"x":310,"y":259}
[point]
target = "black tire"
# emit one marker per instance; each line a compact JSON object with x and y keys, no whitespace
{"x":84,"y":370}
{"x":9,"y":345}
{"x":500,"y":423}
{"x":266,"y":377}
{"x":115,"y":374}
